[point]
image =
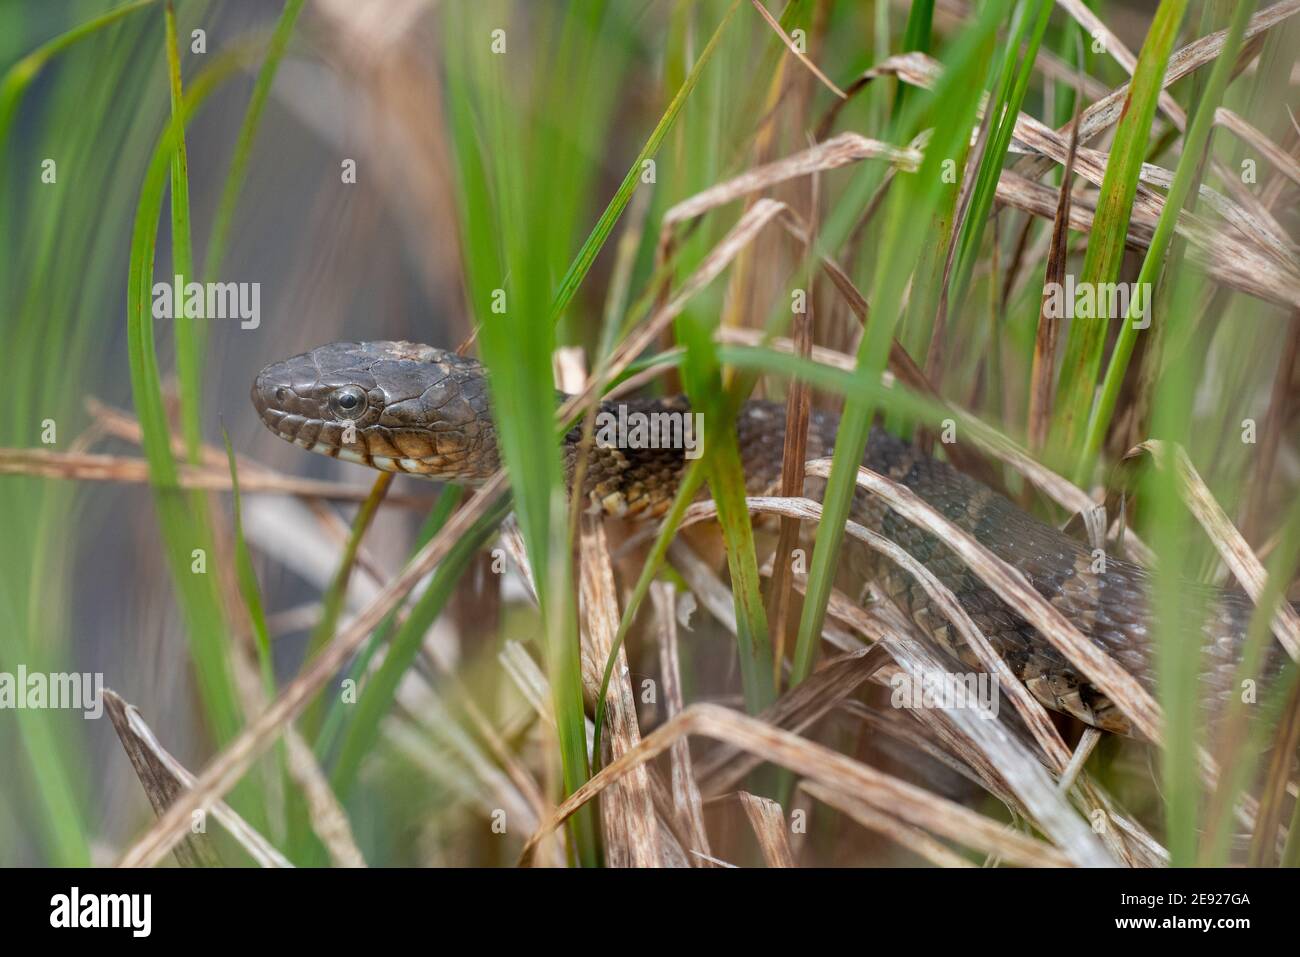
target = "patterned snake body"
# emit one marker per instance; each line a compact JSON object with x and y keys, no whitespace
{"x":400,"y":406}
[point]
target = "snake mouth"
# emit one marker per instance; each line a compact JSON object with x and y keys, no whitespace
{"x":292,"y":398}
{"x":285,"y":411}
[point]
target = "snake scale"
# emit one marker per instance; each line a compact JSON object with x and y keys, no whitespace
{"x":405,"y":407}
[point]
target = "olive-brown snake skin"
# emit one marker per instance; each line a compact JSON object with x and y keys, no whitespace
{"x":400,"y":406}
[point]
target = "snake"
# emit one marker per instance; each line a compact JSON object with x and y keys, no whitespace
{"x":416,"y":409}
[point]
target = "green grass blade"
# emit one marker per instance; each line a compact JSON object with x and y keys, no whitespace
{"x":19,"y":76}
{"x":506,"y":242}
{"x":219,"y":239}
{"x":577,"y":272}
{"x":1087,"y":336}
{"x":247,"y":579}
{"x":377,"y":695}
{"x":910,"y":206}
{"x":1186,"y":180}
{"x":916,"y":37}
{"x":1005,"y":107}
{"x":1238,"y":767}
{"x":333,"y":724}
{"x":189,"y":364}
{"x":725,"y":472}
{"x":186,"y":539}
{"x":336,"y":593}
{"x":691,"y":481}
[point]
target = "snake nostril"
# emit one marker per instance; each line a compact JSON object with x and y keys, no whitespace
{"x":281,"y":393}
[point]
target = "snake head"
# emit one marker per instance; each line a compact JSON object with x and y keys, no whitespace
{"x":396,"y":406}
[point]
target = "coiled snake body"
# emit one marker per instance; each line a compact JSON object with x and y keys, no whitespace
{"x":401,"y":406}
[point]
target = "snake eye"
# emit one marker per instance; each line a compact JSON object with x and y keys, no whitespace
{"x":348,"y":402}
